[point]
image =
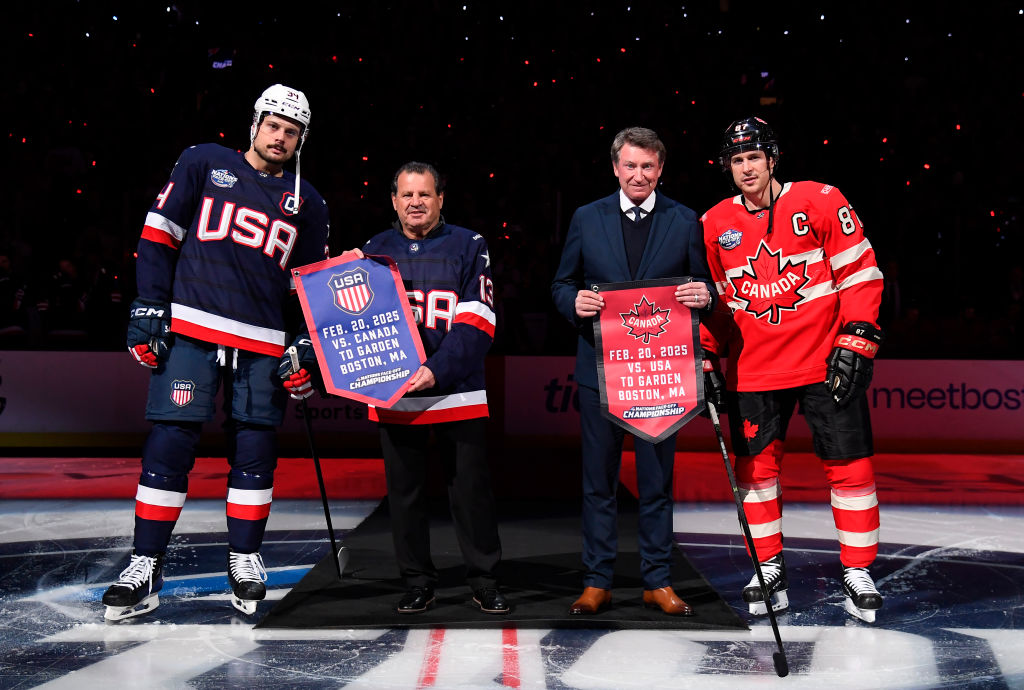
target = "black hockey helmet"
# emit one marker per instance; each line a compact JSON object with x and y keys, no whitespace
{"x":748,"y":134}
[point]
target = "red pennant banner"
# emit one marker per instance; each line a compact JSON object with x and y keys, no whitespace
{"x":648,"y":358}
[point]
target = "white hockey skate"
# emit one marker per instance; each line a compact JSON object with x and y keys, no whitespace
{"x":775,"y":581}
{"x":862,"y":599}
{"x":246,"y":575}
{"x":135,"y":591}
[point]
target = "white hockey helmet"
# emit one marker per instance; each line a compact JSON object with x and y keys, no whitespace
{"x":282,"y":100}
{"x":287,"y":102}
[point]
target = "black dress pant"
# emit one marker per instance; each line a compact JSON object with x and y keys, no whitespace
{"x":467,"y":477}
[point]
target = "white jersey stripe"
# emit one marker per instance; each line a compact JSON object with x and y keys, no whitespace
{"x":440,"y":402}
{"x":868,"y":274}
{"x":158,"y":222}
{"x":226,"y":325}
{"x":478,"y":308}
{"x":249,"y":497}
{"x":849,"y":256}
{"x":159,"y":497}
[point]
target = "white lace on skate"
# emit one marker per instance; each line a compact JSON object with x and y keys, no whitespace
{"x":139,"y":570}
{"x":247,"y":567}
{"x":862,"y":599}
{"x":773,"y":570}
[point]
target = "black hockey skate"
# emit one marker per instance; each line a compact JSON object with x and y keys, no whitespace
{"x":135,"y":591}
{"x":775,"y":581}
{"x":862,"y":599}
{"x":246,"y":575}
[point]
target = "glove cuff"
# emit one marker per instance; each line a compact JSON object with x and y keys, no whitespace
{"x":860,"y":337}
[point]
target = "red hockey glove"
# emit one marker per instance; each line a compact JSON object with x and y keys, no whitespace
{"x":149,"y":331}
{"x":299,"y":384}
{"x":296,"y":366}
{"x":850,"y":365}
{"x":714,"y":382}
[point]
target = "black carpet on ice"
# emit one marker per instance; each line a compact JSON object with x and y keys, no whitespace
{"x":540,"y":575}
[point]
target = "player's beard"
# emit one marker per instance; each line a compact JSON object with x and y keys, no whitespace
{"x":271,"y":157}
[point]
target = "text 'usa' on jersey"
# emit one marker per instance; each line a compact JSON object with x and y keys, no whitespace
{"x":447,"y":276}
{"x":790,"y":291}
{"x":218,"y":243}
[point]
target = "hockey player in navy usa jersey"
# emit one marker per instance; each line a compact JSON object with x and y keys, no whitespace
{"x":447,"y":274}
{"x":216,"y":308}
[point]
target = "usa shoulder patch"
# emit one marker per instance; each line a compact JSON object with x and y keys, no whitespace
{"x":223,"y":178}
{"x":730,"y":239}
{"x":827,"y":188}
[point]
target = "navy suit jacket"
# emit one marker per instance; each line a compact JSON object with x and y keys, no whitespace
{"x":594,"y":253}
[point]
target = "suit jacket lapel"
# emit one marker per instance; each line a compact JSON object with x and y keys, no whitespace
{"x":611,"y":226}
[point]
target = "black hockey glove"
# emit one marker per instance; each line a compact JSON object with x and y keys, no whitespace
{"x":714,"y":382}
{"x":149,"y":331}
{"x":850,"y":364}
{"x":298,"y":367}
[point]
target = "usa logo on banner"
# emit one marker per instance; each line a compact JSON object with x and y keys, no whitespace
{"x":362,"y":327}
{"x":352,"y":292}
{"x":648,"y":358}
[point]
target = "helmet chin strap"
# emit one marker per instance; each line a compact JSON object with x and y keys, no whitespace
{"x":298,"y":178}
{"x":771,"y":198}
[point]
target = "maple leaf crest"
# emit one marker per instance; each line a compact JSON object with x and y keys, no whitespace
{"x":645,"y":320}
{"x":749,"y":430}
{"x":768,"y":286}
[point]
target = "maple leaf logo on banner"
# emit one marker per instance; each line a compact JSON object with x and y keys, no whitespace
{"x":645,"y":320}
{"x":768,"y":286}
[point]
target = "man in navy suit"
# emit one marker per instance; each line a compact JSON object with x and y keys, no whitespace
{"x":635,"y":234}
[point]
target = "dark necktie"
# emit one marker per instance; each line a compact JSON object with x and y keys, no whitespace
{"x":636,"y":214}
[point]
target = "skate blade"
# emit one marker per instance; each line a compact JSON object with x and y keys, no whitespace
{"x":119,"y":613}
{"x":780,"y":602}
{"x":246,"y":606}
{"x":866,"y":615}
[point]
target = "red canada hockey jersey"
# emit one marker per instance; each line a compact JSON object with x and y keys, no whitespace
{"x":784,"y":296}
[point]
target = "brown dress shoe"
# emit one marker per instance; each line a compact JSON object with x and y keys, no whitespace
{"x":666,"y":600}
{"x":593,"y":600}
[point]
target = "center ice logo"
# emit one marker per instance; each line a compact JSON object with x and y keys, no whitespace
{"x":352,"y":292}
{"x":645,"y":320}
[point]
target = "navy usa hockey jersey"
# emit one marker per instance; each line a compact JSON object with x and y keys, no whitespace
{"x":447,"y":277}
{"x":218,"y":244}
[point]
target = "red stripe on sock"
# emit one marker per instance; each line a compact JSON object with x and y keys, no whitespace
{"x":244,"y":512}
{"x":147,"y":511}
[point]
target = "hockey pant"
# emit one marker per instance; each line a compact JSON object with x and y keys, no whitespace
{"x":167,"y":458}
{"x":854,"y":504}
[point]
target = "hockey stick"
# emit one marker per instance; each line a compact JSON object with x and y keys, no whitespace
{"x":779,"y":657}
{"x":340,"y":556}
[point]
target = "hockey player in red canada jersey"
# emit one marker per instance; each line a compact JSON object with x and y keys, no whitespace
{"x":797,"y":319}
{"x":216,"y":308}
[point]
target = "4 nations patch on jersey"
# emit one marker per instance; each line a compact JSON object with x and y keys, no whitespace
{"x":730,"y":239}
{"x":223,"y":178}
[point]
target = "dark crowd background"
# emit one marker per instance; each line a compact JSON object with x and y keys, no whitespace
{"x":914,"y":110}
